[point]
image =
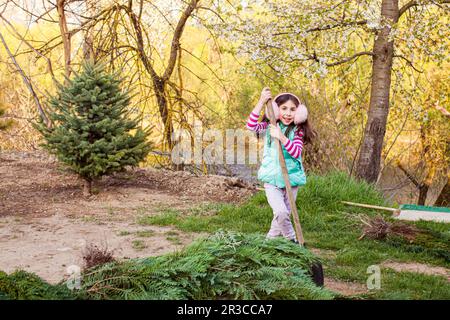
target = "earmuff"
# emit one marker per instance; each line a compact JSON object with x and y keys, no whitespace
{"x":301,"y":114}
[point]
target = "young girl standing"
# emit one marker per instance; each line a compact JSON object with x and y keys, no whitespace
{"x":293,"y":130}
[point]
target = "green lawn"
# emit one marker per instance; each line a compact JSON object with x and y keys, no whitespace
{"x":237,"y":262}
{"x":329,"y":224}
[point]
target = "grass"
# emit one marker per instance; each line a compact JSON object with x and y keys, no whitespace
{"x":174,"y":239}
{"x":408,"y":285}
{"x":145,"y":233}
{"x":110,"y":210}
{"x":140,"y":234}
{"x":138,"y":245}
{"x":89,"y":219}
{"x":329,"y":224}
{"x":142,"y":210}
{"x":226,"y":265}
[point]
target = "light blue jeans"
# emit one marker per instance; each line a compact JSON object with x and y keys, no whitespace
{"x":279,"y":202}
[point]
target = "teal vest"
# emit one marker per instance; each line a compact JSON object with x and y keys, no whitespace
{"x":270,"y":170}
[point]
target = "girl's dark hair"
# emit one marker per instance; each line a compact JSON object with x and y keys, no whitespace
{"x":308,"y":132}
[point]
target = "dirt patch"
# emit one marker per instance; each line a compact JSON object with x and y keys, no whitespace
{"x":35,"y":184}
{"x":213,"y":188}
{"x":46,"y":223}
{"x":345,"y":288}
{"x":48,"y":246}
{"x":417,"y":268}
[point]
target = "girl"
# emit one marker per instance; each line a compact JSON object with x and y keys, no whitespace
{"x":293,"y":130}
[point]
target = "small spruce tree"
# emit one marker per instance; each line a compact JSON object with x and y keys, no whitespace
{"x":91,"y":131}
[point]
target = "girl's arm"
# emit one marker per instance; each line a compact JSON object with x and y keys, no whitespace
{"x":295,"y":147}
{"x":254,"y":125}
{"x":252,"y":121}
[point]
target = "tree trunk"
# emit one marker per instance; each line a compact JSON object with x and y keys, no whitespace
{"x":368,"y":166}
{"x":159,"y":86}
{"x":87,"y":187}
{"x":88,"y":43}
{"x":88,"y":47}
{"x":423,"y":191}
{"x":160,"y":82}
{"x":65,"y":34}
{"x":422,"y":186}
{"x":443,"y":199}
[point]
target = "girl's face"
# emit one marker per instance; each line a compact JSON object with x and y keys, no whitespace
{"x":287,"y":111}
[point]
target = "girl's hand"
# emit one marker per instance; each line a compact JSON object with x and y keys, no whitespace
{"x":265,"y":95}
{"x":275,"y":132}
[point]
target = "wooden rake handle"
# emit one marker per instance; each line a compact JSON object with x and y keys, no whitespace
{"x":294,"y":213}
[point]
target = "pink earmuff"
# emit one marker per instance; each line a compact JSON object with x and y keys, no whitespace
{"x":301,"y":114}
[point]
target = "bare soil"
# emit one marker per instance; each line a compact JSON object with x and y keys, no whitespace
{"x":49,"y":246}
{"x":45,"y":222}
{"x":34,"y":184}
{"x":417,"y":268}
{"x":345,"y":288}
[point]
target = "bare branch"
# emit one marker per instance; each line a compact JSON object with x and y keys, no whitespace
{"x":333,"y":64}
{"x":213,"y":11}
{"x":414,"y":3}
{"x":141,"y":8}
{"x":140,"y":42}
{"x":355,"y":56}
{"x":27,"y":83}
{"x":408,"y":61}
{"x":206,"y":65}
{"x":409,"y":175}
{"x":162,"y":14}
{"x":65,"y":34}
{"x":406,"y":7}
{"x":41,"y":17}
{"x":4,"y":8}
{"x":176,"y":38}
{"x":444,"y":111}
{"x":338,"y":25}
{"x":328,"y":27}
{"x":49,"y":63}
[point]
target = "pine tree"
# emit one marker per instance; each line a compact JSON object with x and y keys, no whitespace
{"x":91,"y":131}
